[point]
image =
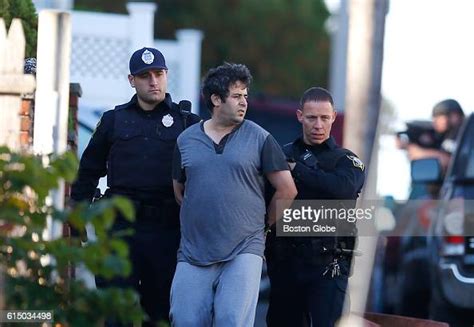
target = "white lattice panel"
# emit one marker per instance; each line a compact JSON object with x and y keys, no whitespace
{"x":173,"y":78}
{"x":94,"y":56}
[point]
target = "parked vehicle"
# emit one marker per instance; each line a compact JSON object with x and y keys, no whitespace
{"x":417,"y":258}
{"x":402,"y":256}
{"x":451,"y":234}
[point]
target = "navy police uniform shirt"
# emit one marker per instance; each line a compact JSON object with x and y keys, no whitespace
{"x":134,"y":148}
{"x":325,"y":171}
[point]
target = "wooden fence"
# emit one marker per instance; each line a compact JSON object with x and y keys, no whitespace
{"x":13,"y":82}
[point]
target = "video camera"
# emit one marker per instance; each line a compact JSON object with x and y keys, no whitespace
{"x":419,"y":132}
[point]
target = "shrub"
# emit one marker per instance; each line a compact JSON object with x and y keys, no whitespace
{"x":35,"y":267}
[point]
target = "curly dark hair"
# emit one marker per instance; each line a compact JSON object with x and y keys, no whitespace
{"x":218,"y":80}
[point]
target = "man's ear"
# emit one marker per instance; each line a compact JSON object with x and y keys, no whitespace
{"x":216,"y":100}
{"x":334,"y":115}
{"x":131,"y":80}
{"x":299,"y":115}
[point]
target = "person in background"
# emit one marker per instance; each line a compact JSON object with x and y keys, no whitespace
{"x":447,"y":118}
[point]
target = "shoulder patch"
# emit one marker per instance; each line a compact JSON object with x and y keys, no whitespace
{"x":356,"y":162}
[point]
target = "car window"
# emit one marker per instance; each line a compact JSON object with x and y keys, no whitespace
{"x":463,"y":167}
{"x":470,"y":166}
{"x":464,"y":191}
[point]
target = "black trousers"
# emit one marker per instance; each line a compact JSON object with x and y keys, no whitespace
{"x":152,"y":253}
{"x":301,"y":296}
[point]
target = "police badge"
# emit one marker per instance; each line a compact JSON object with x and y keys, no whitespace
{"x":167,"y":120}
{"x":147,"y":57}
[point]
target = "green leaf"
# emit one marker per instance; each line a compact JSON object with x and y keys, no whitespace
{"x":125,"y":207}
{"x":25,"y":183}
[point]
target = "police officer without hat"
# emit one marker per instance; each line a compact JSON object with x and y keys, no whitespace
{"x":309,"y":275}
{"x":133,"y":145}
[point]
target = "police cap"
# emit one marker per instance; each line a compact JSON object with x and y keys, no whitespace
{"x":446,"y":107}
{"x":146,"y":59}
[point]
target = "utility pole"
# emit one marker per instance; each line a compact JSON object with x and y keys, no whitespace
{"x":362,"y":105}
{"x":339,"y":35}
{"x":364,"y":74}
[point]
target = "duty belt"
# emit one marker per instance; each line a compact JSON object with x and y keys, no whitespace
{"x":317,"y":251}
{"x":161,"y":212}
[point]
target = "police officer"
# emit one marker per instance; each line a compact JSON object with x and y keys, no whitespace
{"x":447,"y":118}
{"x":454,"y":114}
{"x":309,"y":275}
{"x":133,"y":145}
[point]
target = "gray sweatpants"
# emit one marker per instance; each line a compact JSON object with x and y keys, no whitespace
{"x":222,"y":294}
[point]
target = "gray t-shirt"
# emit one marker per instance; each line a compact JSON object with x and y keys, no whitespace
{"x":223,"y":209}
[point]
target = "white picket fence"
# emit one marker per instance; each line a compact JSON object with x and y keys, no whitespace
{"x":12,"y":82}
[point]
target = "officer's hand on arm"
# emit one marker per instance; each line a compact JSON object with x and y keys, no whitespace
{"x":291,"y":164}
{"x":288,"y":152}
{"x":307,"y":158}
{"x":285,"y":191}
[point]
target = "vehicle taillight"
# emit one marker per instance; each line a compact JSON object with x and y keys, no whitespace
{"x":454,"y":239}
{"x":453,"y":244}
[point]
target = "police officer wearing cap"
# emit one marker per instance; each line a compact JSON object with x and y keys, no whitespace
{"x":309,"y":275}
{"x":454,"y":117}
{"x":447,"y":118}
{"x":133,"y":145}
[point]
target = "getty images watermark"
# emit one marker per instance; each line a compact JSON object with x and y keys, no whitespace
{"x":374,"y":217}
{"x":328,"y":218}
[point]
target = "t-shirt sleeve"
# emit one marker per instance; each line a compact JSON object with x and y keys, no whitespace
{"x":273,"y":158}
{"x":178,"y":170}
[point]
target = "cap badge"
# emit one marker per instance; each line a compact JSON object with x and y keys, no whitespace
{"x":147,"y":57}
{"x":167,"y":120}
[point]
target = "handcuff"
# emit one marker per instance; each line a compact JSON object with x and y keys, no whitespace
{"x":267,"y":230}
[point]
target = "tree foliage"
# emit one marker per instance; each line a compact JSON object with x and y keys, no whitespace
{"x":110,"y":6}
{"x":35,"y":267}
{"x":25,"y":10}
{"x":283,"y":42}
